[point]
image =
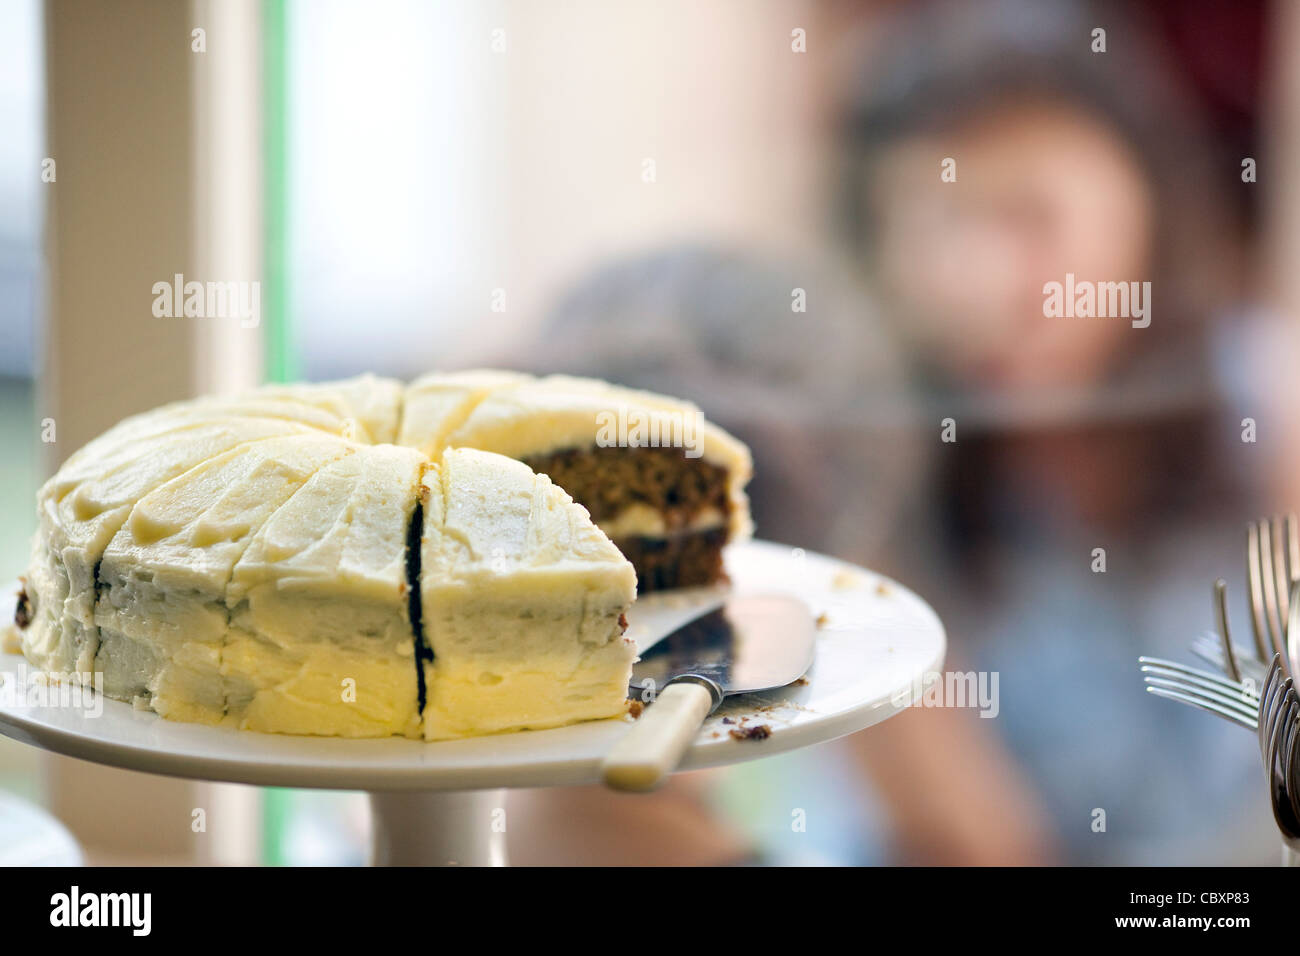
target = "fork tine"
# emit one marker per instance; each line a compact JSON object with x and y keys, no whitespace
{"x":1226,"y":701}
{"x":1200,"y":704}
{"x":1270,"y":558}
{"x":1221,"y":616}
{"x":1209,"y":648}
{"x":1237,"y":694}
{"x":1281,"y":580}
{"x":1277,"y":731}
{"x":1277,"y":721}
{"x":1174,"y":667}
{"x":1293,"y":547}
{"x":1293,"y":629}
{"x":1266,"y":694}
{"x":1284,"y":795}
{"x":1200,"y":678}
{"x":1255,"y":587}
{"x":1268,"y":577}
{"x":1267,"y":699}
{"x":1291,"y":761}
{"x":1287,"y":728}
{"x":1277,"y":690}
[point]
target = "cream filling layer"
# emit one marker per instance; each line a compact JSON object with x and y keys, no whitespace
{"x":642,"y":521}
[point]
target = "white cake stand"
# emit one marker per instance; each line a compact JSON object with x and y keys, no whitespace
{"x":443,"y":802}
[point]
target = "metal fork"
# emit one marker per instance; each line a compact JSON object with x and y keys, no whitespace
{"x":1279,"y":744}
{"x":1272,"y":571}
{"x":1273,"y":713}
{"x":1222,"y":652}
{"x":1273,"y":582}
{"x":1232,"y":700}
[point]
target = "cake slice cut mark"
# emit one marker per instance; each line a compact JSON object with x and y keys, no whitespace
{"x":447,"y":530}
{"x":414,"y":601}
{"x":400,"y":416}
{"x":231,"y":410}
{"x":461,"y":415}
{"x":373,"y":403}
{"x":475,"y":387}
{"x":320,"y":639}
{"x":112,"y":460}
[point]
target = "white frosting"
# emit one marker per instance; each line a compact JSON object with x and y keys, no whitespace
{"x":521,"y":416}
{"x":163,"y":620}
{"x":438,"y":404}
{"x":522,"y":597}
{"x":320,"y":641}
{"x":243,"y":559}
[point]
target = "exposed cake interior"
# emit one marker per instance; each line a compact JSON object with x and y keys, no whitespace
{"x":667,"y":513}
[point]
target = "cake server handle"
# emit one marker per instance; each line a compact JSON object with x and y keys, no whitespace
{"x":654,"y":746}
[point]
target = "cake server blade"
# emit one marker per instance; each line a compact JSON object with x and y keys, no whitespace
{"x":751,"y":643}
{"x":657,"y":615}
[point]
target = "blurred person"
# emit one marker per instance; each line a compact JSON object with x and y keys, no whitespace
{"x":793,"y":360}
{"x":1074,"y":434}
{"x":1079,"y":440}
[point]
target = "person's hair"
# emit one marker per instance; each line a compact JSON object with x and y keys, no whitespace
{"x":946,"y":65}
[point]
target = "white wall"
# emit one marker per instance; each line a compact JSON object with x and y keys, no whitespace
{"x":428,"y":169}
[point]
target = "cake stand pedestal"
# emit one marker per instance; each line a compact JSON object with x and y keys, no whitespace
{"x":461,"y":828}
{"x":878,"y":646}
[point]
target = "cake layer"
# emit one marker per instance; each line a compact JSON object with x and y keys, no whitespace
{"x":523,"y":602}
{"x":690,"y":559}
{"x":642,"y":491}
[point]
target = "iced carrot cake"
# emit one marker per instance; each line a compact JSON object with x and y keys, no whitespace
{"x":364,"y":559}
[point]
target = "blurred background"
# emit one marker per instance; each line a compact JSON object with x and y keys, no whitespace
{"x":828,"y":223}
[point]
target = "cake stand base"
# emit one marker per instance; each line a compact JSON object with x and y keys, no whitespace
{"x":422,"y":828}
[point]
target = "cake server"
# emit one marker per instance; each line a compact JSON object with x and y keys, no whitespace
{"x":751,"y":643}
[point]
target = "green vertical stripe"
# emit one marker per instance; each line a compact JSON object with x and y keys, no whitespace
{"x":276,"y":806}
{"x":280,"y":360}
{"x":281,"y":357}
